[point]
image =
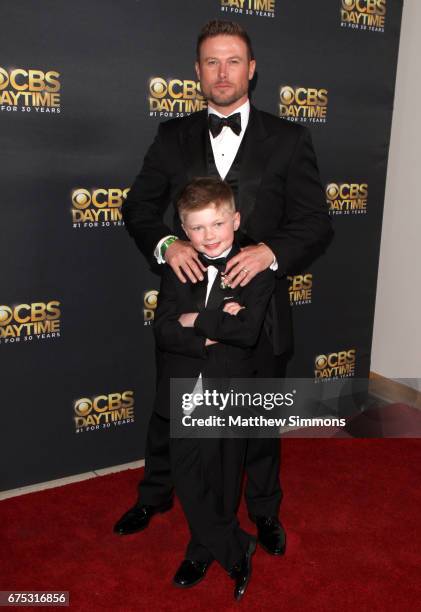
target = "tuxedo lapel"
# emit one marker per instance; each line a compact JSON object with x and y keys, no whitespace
{"x":257,"y":149}
{"x":193,"y":145}
{"x":216,"y":295}
{"x":198,"y":291}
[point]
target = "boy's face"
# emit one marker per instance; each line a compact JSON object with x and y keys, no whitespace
{"x":211,"y":230}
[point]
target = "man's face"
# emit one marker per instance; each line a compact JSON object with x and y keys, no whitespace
{"x":211,"y":230}
{"x":224,"y":70}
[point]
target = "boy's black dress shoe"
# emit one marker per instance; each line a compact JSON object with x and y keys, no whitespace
{"x":138,"y":518}
{"x":241,"y":572}
{"x":190,"y":573}
{"x":270,"y":534}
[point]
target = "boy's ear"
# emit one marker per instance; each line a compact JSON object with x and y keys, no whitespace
{"x":237,"y":219}
{"x":185,"y":230}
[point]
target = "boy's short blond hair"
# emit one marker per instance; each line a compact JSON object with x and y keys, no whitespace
{"x":202,"y":192}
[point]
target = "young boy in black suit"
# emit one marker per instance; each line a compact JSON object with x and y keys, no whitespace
{"x":207,"y":330}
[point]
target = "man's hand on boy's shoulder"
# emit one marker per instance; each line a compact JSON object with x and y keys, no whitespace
{"x":245,"y":265}
{"x":184,"y":260}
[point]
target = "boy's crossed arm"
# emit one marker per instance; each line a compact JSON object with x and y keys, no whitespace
{"x":170,"y":335}
{"x":190,"y":333}
{"x":187,"y":319}
{"x":243,"y":329}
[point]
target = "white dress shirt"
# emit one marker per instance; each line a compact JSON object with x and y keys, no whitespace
{"x":227,"y":143}
{"x":212,"y":274}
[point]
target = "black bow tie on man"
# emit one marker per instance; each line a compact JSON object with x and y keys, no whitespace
{"x":217,"y":123}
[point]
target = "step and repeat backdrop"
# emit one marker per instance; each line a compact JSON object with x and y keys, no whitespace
{"x":83,"y":87}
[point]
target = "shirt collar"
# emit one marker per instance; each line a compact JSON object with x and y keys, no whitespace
{"x":244,"y":111}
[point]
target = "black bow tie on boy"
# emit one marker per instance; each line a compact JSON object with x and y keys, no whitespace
{"x":219,"y":262}
{"x":217,"y":123}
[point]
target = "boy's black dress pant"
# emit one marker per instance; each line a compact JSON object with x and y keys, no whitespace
{"x":207,"y":478}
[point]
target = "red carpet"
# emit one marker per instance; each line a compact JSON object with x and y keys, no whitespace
{"x":351,"y":509}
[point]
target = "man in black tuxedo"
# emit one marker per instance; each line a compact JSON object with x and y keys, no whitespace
{"x":271,"y":167}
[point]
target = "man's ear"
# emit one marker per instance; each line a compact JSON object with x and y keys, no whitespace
{"x":252,"y":69}
{"x":197,"y":68}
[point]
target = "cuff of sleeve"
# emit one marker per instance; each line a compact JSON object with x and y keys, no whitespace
{"x":157,"y":251}
{"x":202,"y":325}
{"x":283,"y":265}
{"x":274,"y":265}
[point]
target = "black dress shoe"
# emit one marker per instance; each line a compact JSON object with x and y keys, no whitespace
{"x":241,"y":572}
{"x":138,"y":518}
{"x":270,"y":534}
{"x":190,"y":573}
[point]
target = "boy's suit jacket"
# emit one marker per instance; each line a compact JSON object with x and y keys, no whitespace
{"x":280,"y":196}
{"x":184,"y":354}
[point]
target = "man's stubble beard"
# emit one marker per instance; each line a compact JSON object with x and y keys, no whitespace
{"x":222,"y":101}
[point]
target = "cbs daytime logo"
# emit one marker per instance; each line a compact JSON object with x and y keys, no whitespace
{"x":335,"y":365}
{"x":98,"y":207}
{"x":300,"y":289}
{"x":150,"y":302}
{"x":28,"y":322}
{"x":255,"y":8}
{"x":347,"y":198}
{"x":303,"y":104}
{"x":174,"y":97}
{"x":27,"y":89}
{"x":103,"y":411}
{"x":367,"y":15}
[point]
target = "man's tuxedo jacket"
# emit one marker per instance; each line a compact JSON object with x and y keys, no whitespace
{"x":280,"y":197}
{"x":183,"y":350}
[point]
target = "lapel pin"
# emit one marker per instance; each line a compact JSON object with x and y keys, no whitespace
{"x":223,"y":284}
